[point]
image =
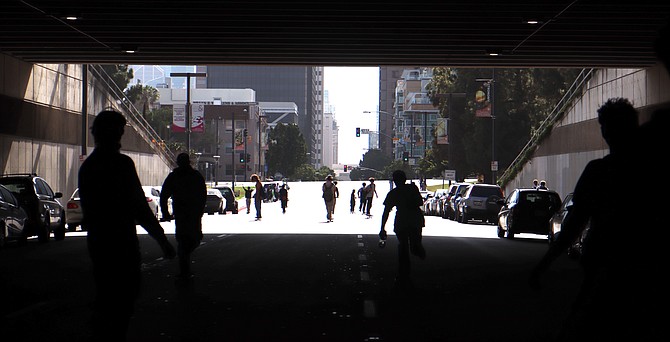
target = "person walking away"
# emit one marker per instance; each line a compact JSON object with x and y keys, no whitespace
{"x":328,"y":189}
{"x":361,"y":195}
{"x":112,"y":240}
{"x":258,"y":197}
{"x":188,"y":190}
{"x":247,"y":196}
{"x":283,"y":197}
{"x":370,"y":191}
{"x":608,"y":306}
{"x":408,"y":225}
{"x":352,"y":201}
{"x":337,"y":195}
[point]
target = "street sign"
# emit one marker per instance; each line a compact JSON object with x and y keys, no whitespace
{"x":449,"y":175}
{"x":494,"y":165}
{"x":365,"y":131}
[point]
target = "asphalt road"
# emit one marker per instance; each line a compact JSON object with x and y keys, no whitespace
{"x":293,"y":277}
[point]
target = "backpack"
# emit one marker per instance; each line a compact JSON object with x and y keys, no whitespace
{"x":328,"y":193}
{"x":264,"y":193}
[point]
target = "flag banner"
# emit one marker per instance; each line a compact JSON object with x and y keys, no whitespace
{"x":441,"y":131}
{"x":198,"y":119}
{"x":483,"y":101}
{"x":178,"y":118}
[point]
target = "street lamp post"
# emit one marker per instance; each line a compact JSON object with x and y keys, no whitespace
{"x":260,"y":123}
{"x":187,"y":124}
{"x":216,"y":167}
{"x":393,"y":117}
{"x":494,"y":164}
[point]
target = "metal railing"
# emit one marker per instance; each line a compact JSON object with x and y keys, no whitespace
{"x":542,"y":130}
{"x":133,"y":115}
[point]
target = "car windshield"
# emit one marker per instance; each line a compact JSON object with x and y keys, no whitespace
{"x":485,"y":191}
{"x":539,"y":198}
{"x":224,"y":191}
{"x":14,"y":185}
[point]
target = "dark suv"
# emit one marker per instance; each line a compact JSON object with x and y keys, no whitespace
{"x":45,"y":212}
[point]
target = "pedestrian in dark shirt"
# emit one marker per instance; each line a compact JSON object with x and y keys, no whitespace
{"x":361,"y":195}
{"x":283,"y":197}
{"x":248,"y":191}
{"x":188,"y":190}
{"x":352,"y":201}
{"x":408,"y":225}
{"x":107,"y":179}
{"x":607,"y":307}
{"x":258,"y":197}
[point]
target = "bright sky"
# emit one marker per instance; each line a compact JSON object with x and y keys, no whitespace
{"x":351,"y":91}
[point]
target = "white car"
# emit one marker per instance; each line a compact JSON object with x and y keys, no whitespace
{"x":73,"y":214}
{"x":153,"y":195}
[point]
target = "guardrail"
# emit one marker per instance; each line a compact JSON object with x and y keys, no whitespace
{"x":133,"y":115}
{"x":546,"y":126}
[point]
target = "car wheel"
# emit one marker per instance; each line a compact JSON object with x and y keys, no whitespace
{"x":44,"y":230}
{"x":59,"y":232}
{"x":501,"y":232}
{"x":3,"y":235}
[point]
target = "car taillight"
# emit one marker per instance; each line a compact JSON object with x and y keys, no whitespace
{"x":72,"y":205}
{"x":149,"y":199}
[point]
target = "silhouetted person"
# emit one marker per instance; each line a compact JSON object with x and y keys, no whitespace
{"x":361,"y":195}
{"x":370,"y":191}
{"x":543,"y":185}
{"x":187,"y":188}
{"x":113,"y":203}
{"x":352,"y":201}
{"x":328,"y":189}
{"x":248,"y":191}
{"x":258,"y":196}
{"x":408,"y":225}
{"x":337,"y":195}
{"x":536,"y":183}
{"x":605,"y":307}
{"x":283,"y":197}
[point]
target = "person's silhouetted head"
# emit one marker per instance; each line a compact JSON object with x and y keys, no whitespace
{"x":183,"y":160}
{"x":618,"y":123}
{"x":254,"y":178}
{"x":108,"y":127}
{"x":372,"y":180}
{"x":399,"y":177}
{"x":329,"y":178}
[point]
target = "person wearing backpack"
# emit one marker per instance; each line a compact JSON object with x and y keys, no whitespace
{"x":328,"y":189}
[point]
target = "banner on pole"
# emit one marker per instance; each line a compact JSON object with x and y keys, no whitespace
{"x":441,"y":131}
{"x":483,"y":101}
{"x":178,"y":118}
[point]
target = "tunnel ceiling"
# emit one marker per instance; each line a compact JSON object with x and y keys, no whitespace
{"x":344,"y":32}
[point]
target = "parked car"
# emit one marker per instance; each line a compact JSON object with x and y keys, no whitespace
{"x":12,"y":217}
{"x":153,"y":196}
{"x":214,"y":202}
{"x":228,"y":196}
{"x":556,"y":222}
{"x":528,"y":211}
{"x":35,"y":196}
{"x":453,"y":202}
{"x":73,"y":214}
{"x":446,"y":211}
{"x":434,"y":208}
{"x":426,"y":202}
{"x":480,"y":201}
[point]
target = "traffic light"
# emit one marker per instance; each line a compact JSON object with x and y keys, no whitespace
{"x":248,"y":157}
{"x":405,"y":157}
{"x":358,"y":131}
{"x":245,"y":132}
{"x":242,"y":158}
{"x":345,"y":168}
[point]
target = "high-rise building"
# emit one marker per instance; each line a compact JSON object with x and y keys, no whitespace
{"x":388,"y":76}
{"x":302,"y":85}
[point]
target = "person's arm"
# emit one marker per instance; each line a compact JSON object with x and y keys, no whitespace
{"x":385,"y":217}
{"x":145,"y":217}
{"x":166,"y":193}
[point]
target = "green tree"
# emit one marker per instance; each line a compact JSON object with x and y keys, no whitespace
{"x":323,"y":172}
{"x":143,"y":97}
{"x":119,"y":73}
{"x":522,"y":99}
{"x":287,"y":150}
{"x":305,"y":172}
